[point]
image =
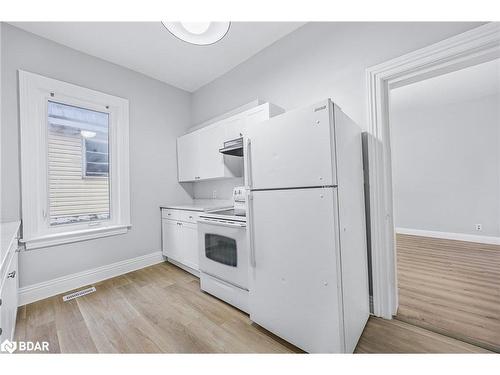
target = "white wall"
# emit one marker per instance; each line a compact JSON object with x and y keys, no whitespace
{"x":446,"y":166}
{"x":318,"y":60}
{"x":159,"y":113}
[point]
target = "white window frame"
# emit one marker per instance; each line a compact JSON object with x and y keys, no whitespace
{"x":34,"y":93}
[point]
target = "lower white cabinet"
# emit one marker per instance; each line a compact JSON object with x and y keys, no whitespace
{"x":180,"y":241}
{"x":9,"y":285}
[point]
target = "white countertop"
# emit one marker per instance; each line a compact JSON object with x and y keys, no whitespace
{"x":201,"y":205}
{"x":8,"y":231}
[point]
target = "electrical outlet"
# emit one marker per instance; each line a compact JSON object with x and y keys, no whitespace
{"x":214,"y":194}
{"x":479,"y":227}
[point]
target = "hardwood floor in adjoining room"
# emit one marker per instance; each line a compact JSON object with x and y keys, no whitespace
{"x":161,"y":309}
{"x":394,"y":336}
{"x":450,"y":287}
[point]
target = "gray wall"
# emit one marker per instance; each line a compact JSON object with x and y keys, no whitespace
{"x":223,"y":188}
{"x":159,"y":113}
{"x":446,"y":167}
{"x":317,"y":61}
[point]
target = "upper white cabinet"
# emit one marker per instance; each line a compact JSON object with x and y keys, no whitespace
{"x":187,"y":152}
{"x":211,"y":161}
{"x":198,"y":156}
{"x":234,"y":127}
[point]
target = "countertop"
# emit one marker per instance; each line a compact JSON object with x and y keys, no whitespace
{"x":201,"y":205}
{"x":8,"y":231}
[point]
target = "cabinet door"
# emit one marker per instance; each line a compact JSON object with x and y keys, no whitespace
{"x":172,"y":239}
{"x":257,"y":115}
{"x":8,"y":294}
{"x":211,"y":160}
{"x":188,"y":157}
{"x":190,"y":245}
{"x":234,"y":128}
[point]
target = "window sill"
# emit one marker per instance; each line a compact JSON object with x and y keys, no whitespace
{"x":74,"y":236}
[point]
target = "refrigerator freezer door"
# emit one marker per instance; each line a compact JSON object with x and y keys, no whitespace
{"x":294,"y":149}
{"x":295,"y":285}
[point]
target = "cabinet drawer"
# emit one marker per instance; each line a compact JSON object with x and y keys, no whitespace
{"x":180,"y":215}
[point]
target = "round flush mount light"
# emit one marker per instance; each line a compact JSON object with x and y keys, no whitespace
{"x":199,"y":33}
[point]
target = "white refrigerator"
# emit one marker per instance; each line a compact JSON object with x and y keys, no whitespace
{"x":306,"y":228}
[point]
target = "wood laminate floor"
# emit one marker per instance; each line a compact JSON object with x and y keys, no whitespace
{"x":450,"y":287}
{"x":160,"y":309}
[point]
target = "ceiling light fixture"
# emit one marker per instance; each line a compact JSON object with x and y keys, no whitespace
{"x":199,"y":33}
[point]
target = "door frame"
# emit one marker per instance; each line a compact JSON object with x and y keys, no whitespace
{"x":470,"y":48}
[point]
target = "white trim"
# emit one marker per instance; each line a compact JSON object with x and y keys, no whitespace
{"x":34,"y":93}
{"x":470,"y":48}
{"x":36,"y":292}
{"x":76,"y":236}
{"x":450,"y":236}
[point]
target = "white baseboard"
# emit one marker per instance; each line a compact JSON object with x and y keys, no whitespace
{"x":36,"y":292}
{"x":450,"y":236}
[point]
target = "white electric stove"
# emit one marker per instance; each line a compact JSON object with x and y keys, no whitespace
{"x":223,"y":253}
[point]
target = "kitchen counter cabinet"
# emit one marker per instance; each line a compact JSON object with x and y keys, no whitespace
{"x":9,"y":279}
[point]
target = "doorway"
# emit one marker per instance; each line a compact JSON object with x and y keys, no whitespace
{"x":468,"y":49}
{"x":445,"y":141}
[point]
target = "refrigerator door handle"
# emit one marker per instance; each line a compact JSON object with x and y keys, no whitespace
{"x":248,"y":168}
{"x":250,"y":229}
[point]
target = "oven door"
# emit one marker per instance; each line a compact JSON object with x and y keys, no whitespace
{"x":223,"y":252}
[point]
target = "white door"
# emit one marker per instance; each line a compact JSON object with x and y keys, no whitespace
{"x":293,"y":149}
{"x":188,"y":166}
{"x":190,"y":245}
{"x":295,"y":281}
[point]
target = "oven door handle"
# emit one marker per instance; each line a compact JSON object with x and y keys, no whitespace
{"x":222,"y":223}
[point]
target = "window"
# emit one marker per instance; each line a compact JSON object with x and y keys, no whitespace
{"x":77,"y":149}
{"x":74,"y":159}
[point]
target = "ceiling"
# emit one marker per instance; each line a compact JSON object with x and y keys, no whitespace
{"x":148,"y":48}
{"x":463,"y":85}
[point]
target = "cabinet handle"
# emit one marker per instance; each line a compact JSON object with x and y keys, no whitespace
{"x":11,"y":274}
